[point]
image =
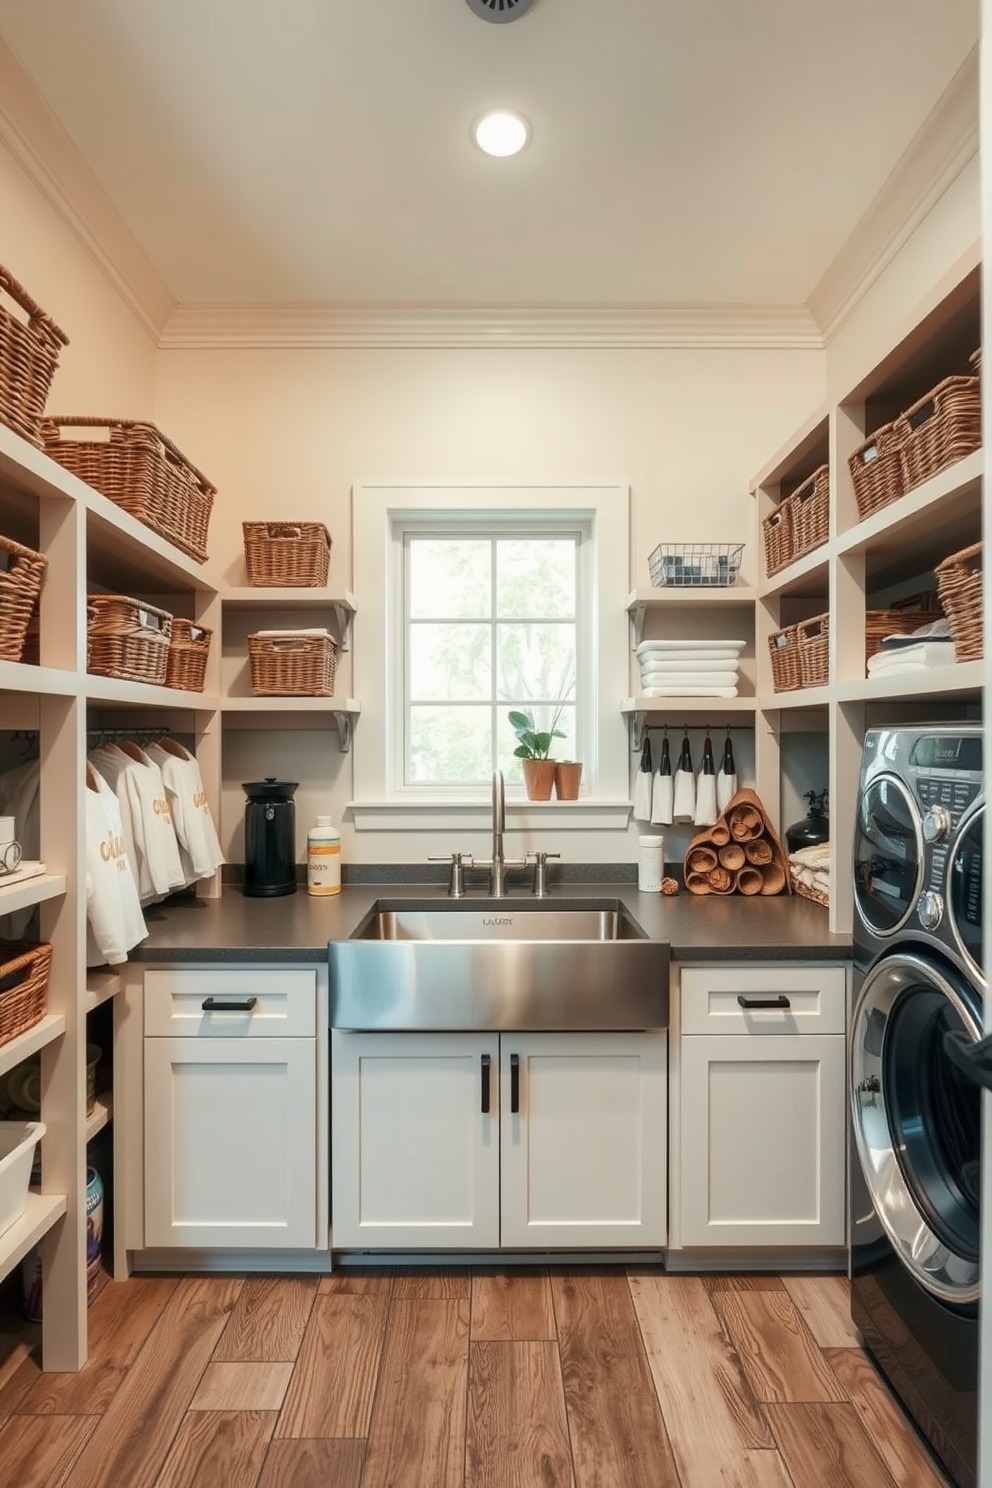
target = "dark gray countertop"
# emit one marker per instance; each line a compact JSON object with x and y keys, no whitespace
{"x":297,"y":927}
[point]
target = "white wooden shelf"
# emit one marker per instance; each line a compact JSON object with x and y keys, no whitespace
{"x":29,"y":891}
{"x":17,"y":677}
{"x":293,"y":598}
{"x":702,"y":598}
{"x":101,"y":986}
{"x":23,"y":1045}
{"x":101,"y":1115}
{"x":145,"y":695}
{"x":341,"y":710}
{"x":40,"y":1213}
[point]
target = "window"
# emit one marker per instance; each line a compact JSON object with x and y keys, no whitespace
{"x":472,"y":601}
{"x":492,"y":622}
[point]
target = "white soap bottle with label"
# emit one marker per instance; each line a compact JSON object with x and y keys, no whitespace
{"x":323,"y":858}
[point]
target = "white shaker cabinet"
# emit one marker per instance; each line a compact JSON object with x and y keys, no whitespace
{"x":478,"y":1141}
{"x":762,"y":1107}
{"x":230,"y":1103}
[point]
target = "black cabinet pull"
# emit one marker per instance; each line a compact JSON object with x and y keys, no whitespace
{"x":514,"y":1084}
{"x":218,"y":1005}
{"x":781,"y":1001}
{"x":486,"y":1069}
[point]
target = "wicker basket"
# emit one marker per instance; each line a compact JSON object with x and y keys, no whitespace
{"x":806,"y":891}
{"x":21,"y":573}
{"x":189,"y":647}
{"x":941,"y":428}
{"x":29,"y":354}
{"x":126,"y":638}
{"x":23,"y":982}
{"x":784,"y":648}
{"x":814,"y":658}
{"x":877,"y":469}
{"x":292,"y":665}
{"x":810,"y":505}
{"x":902,"y":618}
{"x":286,"y":554}
{"x":141,"y":470}
{"x":959,"y":584}
{"x":777,"y":532}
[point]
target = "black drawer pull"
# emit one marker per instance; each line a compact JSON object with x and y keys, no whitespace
{"x":514,"y":1084}
{"x":487,"y":1064}
{"x":781,"y":1001}
{"x":218,"y":1005}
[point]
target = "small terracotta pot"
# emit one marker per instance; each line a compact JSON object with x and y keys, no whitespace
{"x":539,"y":777}
{"x":568,"y":777}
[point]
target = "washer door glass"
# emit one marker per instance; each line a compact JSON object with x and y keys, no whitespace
{"x":888,"y":855}
{"x":966,"y":889}
{"x":917,"y":1121}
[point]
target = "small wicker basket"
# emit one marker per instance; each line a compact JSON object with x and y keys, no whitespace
{"x":29,"y":355}
{"x":126,"y":638}
{"x":877,"y":469}
{"x":286,"y":554}
{"x":140,"y":470}
{"x":23,"y":983}
{"x":189,"y":648}
{"x":292,"y":665}
{"x":901,"y":618}
{"x":784,"y":648}
{"x":21,"y":573}
{"x":810,"y":505}
{"x":941,"y":428}
{"x":959,"y":584}
{"x":778,"y":535}
{"x":814,"y":658}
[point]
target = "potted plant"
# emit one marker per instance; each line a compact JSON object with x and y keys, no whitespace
{"x":534,"y":751}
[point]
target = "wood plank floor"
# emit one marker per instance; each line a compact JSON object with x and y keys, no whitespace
{"x":562,"y":1377}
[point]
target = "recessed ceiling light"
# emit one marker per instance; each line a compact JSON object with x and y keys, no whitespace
{"x":501,"y":132}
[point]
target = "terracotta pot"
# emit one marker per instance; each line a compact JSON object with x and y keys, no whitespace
{"x":539,"y":777}
{"x":568,"y":777}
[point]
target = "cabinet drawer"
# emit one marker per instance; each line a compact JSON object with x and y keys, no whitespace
{"x":815,"y":999}
{"x":285,"y":1003}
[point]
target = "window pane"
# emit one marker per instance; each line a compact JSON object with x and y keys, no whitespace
{"x":450,"y":662}
{"x":535,"y":578}
{"x":450,"y":746}
{"x":535,"y":662}
{"x":450,"y":578}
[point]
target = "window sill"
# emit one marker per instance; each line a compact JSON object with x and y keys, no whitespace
{"x":473,"y":816}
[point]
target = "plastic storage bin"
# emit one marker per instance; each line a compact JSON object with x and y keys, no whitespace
{"x":17,"y":1144}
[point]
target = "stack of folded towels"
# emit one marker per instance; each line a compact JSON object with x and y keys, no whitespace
{"x":929,"y":646}
{"x":689,"y":668}
{"x":810,"y":869}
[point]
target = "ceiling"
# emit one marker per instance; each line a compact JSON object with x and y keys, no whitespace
{"x":683,"y":151}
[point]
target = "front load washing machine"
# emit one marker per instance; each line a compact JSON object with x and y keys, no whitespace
{"x":918,"y":994}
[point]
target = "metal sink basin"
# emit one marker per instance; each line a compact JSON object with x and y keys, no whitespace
{"x":471,"y":967}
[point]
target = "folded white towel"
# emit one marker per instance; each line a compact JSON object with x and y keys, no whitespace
{"x":690,"y":646}
{"x":726,"y":788}
{"x":675,"y":662}
{"x":705,"y":814}
{"x":816,"y":856}
{"x":271,"y":634}
{"x":677,"y":691}
{"x":684,"y":796}
{"x":690,"y":679}
{"x":922,"y":654}
{"x":662,"y":800}
{"x":642,"y":795}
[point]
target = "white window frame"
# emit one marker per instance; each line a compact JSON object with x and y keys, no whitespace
{"x":379,"y":510}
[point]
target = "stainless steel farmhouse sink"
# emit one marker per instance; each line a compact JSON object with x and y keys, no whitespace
{"x":458,"y":966}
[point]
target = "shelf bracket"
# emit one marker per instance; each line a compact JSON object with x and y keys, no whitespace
{"x":343,"y":721}
{"x":637,"y":625}
{"x":344,"y":615}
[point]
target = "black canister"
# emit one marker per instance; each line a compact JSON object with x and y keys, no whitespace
{"x":814,"y":828}
{"x":270,"y":838}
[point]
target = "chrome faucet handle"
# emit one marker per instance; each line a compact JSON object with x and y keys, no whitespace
{"x":456,"y":879}
{"x":541,"y":872}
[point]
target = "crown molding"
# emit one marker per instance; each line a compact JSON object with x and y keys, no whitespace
{"x":34,"y":137}
{"x":944,"y":145}
{"x":262,"y":327}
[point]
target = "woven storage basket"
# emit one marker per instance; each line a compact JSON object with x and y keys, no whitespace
{"x":777,"y":532}
{"x":23,"y":982}
{"x":29,"y":354}
{"x":292,"y":665}
{"x":189,"y":647}
{"x":814,"y":660}
{"x":21,"y":573}
{"x":126,"y":638}
{"x":959,"y":584}
{"x":811,"y":512}
{"x":941,"y":428}
{"x":806,"y":891}
{"x":286,"y":554}
{"x":784,"y":648}
{"x":877,"y":470}
{"x":141,"y":470}
{"x":902,"y":618}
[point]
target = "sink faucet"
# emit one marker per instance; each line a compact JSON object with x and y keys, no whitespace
{"x":498,"y":865}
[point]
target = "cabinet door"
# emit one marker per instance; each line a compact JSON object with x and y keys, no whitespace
{"x":584,"y":1156}
{"x":414,"y":1140}
{"x":762,"y":1146}
{"x":230,"y":1142}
